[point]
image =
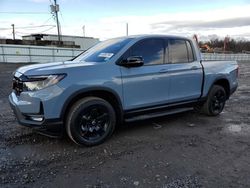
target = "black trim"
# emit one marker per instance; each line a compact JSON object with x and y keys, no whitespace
{"x":160,"y":108}
{"x":83,"y":91}
{"x":203,"y":79}
{"x":158,"y":114}
{"x":53,"y":128}
{"x":232,"y":90}
{"x":218,"y":79}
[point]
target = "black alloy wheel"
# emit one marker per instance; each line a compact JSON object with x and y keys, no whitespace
{"x":90,"y":121}
{"x":93,"y":122}
{"x":218,"y":101}
{"x":215,"y":102}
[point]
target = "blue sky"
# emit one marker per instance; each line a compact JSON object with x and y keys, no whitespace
{"x":105,"y":19}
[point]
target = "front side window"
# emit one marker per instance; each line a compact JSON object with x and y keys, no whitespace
{"x":103,"y":51}
{"x":151,"y":50}
{"x":180,"y":51}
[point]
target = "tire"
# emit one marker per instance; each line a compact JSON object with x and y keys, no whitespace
{"x":90,"y":121}
{"x":215,"y":102}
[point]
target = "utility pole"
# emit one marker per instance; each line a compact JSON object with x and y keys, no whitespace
{"x":83,"y":30}
{"x":127,"y":29}
{"x":13,"y":31}
{"x":55,"y":10}
{"x":226,"y":40}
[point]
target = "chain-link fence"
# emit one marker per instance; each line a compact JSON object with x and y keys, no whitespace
{"x":220,"y":56}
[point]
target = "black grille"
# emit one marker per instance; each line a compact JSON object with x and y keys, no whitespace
{"x":17,"y":85}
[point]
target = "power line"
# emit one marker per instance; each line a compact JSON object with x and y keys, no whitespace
{"x":24,"y":13}
{"x":61,"y":15}
{"x":55,"y":10}
{"x":47,"y":20}
{"x":47,"y":29}
{"x":24,"y":33}
{"x":28,"y":27}
{"x":37,"y":26}
{"x":18,"y":34}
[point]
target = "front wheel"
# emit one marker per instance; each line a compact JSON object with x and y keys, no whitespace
{"x":90,"y":121}
{"x":215,"y":102}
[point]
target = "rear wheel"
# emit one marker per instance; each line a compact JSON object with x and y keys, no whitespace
{"x":90,"y":121}
{"x":215,"y":102}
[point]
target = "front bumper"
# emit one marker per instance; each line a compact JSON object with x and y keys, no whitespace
{"x":35,"y":119}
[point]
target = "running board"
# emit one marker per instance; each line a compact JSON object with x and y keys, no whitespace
{"x":157,"y":114}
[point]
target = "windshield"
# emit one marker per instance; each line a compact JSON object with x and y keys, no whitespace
{"x":103,"y":51}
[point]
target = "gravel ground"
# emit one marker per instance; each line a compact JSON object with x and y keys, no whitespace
{"x":184,"y":150}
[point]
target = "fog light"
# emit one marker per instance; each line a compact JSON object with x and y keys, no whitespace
{"x":36,"y":118}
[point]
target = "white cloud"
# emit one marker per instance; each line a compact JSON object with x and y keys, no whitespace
{"x":231,"y":21}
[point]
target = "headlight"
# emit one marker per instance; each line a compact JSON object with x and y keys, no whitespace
{"x":34,"y":83}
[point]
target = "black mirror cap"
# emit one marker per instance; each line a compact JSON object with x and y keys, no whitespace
{"x":133,"y":61}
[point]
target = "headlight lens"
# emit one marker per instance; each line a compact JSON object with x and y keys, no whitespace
{"x":34,"y":83}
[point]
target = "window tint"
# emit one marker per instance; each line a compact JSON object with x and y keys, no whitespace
{"x":190,"y":52}
{"x":178,"y":51}
{"x":151,"y":50}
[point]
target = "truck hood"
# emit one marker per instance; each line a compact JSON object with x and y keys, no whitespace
{"x":51,"y":68}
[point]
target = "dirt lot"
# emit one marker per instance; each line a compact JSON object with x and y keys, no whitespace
{"x":185,"y":150}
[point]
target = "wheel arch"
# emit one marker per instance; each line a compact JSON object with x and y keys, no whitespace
{"x":104,"y":93}
{"x":223,"y":82}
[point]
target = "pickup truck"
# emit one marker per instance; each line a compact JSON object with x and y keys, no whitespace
{"x":120,"y":80}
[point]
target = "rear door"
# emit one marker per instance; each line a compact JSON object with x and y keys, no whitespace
{"x":185,"y":71}
{"x":147,"y":85}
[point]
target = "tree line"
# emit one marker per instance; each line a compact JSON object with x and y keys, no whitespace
{"x":229,"y":45}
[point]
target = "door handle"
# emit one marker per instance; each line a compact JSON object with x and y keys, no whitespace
{"x":163,"y":71}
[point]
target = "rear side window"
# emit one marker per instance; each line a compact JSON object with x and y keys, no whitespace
{"x":180,"y":51}
{"x":151,"y":50}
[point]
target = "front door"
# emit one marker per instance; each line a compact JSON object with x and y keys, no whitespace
{"x":147,"y":85}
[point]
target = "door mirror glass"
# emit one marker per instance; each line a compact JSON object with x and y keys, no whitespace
{"x":133,"y":61}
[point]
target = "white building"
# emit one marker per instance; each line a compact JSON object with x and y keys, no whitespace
{"x":83,"y":42}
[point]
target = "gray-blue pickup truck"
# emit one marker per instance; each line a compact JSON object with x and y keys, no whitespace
{"x":120,"y":80}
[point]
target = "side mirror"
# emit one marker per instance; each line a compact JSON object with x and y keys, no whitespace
{"x":133,"y":61}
